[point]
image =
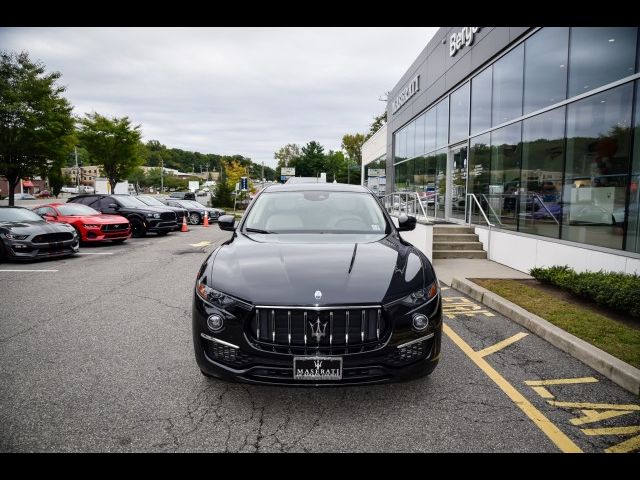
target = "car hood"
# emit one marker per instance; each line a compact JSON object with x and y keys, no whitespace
{"x":99,"y":219}
{"x":35,"y":227}
{"x":289,"y":269}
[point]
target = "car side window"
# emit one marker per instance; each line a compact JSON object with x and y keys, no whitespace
{"x":103,"y":205}
{"x":44,"y":211}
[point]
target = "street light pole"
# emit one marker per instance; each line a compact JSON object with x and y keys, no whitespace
{"x":161,"y":177}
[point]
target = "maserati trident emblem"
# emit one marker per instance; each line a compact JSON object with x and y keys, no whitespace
{"x":318,"y":294}
{"x":318,"y":329}
{"x":317,"y":364}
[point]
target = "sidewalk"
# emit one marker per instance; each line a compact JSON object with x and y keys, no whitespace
{"x":448,"y":268}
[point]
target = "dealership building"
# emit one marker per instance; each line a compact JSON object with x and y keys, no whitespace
{"x":529,"y":134}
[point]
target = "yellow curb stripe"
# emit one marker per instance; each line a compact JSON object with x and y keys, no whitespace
{"x":591,"y":416}
{"x":626,"y":446}
{"x":611,"y":430}
{"x":564,"y":443}
{"x":561,"y":381}
{"x":594,"y":406}
{"x":500,"y":345}
{"x":543,"y":392}
{"x":201,"y":244}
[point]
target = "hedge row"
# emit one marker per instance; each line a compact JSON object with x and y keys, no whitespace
{"x":619,"y":291}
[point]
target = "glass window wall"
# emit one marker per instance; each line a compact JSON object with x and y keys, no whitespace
{"x":459,"y":120}
{"x":481,"y":101}
{"x":507,"y":86}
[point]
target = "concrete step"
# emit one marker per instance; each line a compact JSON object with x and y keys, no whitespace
{"x":455,"y":237}
{"x":444,"y":230}
{"x":459,"y":254}
{"x":457,"y":245}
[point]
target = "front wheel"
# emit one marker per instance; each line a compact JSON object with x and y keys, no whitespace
{"x":194,"y":219}
{"x":137,"y":228}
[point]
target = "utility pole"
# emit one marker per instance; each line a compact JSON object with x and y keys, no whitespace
{"x":75,"y":149}
{"x":161,"y":175}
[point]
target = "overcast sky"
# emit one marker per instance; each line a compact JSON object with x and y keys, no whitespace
{"x":245,"y":91}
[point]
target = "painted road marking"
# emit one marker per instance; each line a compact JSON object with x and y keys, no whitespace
{"x":543,"y":392}
{"x":201,"y":244}
{"x":94,"y":253}
{"x":612,"y":430}
{"x":561,"y":381}
{"x":594,"y":406}
{"x":564,"y":443}
{"x":626,"y":446}
{"x":444,"y":289}
{"x":591,"y":416}
{"x":500,"y":345}
{"x":28,"y":270}
{"x":453,"y":306}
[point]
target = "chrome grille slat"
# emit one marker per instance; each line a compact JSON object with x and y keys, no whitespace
{"x":273,"y":326}
{"x":330,"y":328}
{"x":346,"y":335}
{"x":257,"y":324}
{"x":289,"y":325}
{"x":378,"y":326}
{"x":305,"y":329}
{"x":362,"y":327}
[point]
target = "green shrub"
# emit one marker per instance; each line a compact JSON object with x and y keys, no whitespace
{"x":619,"y":291}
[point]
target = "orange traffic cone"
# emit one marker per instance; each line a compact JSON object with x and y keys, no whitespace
{"x":184,"y":225}
{"x":206,"y":220}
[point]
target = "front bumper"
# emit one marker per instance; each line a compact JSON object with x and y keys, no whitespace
{"x":27,"y":250}
{"x":97,"y":235}
{"x":232,"y":355}
{"x":156,"y":225}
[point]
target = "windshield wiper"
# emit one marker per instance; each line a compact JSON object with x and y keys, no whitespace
{"x":256,"y":230}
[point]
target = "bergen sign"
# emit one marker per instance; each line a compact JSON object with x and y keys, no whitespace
{"x":462,"y":38}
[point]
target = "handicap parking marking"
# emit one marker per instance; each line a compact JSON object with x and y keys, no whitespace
{"x":201,"y":244}
{"x":456,"y":306}
{"x":500,"y":345}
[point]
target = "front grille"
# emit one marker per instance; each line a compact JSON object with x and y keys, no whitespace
{"x":336,"y":330}
{"x":120,"y":227}
{"x":224,"y":354}
{"x":53,"y":237}
{"x":410,"y":353}
{"x":168,"y":216}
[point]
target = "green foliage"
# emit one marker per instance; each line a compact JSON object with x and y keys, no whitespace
{"x":36,"y":125}
{"x":377,"y":124}
{"x":310,"y":162}
{"x":222,"y":196}
{"x":352,"y":144}
{"x":619,"y":291}
{"x":112,"y":143}
{"x":56,"y":180}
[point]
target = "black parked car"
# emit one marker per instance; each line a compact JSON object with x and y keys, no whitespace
{"x":183,"y":195}
{"x":143,"y":218}
{"x":24,"y":235}
{"x":316,"y":287}
{"x":154,"y":202}
{"x":196,"y":210}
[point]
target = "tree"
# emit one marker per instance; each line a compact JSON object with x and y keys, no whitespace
{"x":336,"y":165}
{"x":36,"y":125}
{"x":311,"y":161}
{"x":378,"y":123}
{"x":234,"y":171}
{"x":137,"y":177}
{"x":352,"y":144}
{"x":222,"y":194}
{"x":56,"y":179}
{"x":285,"y":156}
{"x":112,"y":143}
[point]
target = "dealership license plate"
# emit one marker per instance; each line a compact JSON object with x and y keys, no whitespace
{"x":317,"y":368}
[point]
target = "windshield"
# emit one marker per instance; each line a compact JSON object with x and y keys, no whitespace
{"x":130,"y":202}
{"x":76,"y":209}
{"x":18,"y":215}
{"x":316,"y":212}
{"x":151,"y":201}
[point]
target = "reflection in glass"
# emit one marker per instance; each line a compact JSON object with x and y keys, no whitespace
{"x":442,"y":122}
{"x":459,"y":116}
{"x":633,"y":228}
{"x":504,"y":182}
{"x":481,"y":101}
{"x":459,"y":182}
{"x":600,"y":55}
{"x":411,"y":140}
{"x":596,"y":172}
{"x":545,"y":69}
{"x":419,"y":174}
{"x":507,"y":86}
{"x":401,"y":177}
{"x":419,"y":149}
{"x":441,"y":181}
{"x":542,"y":163}
{"x":479,"y":175}
{"x":430,"y":130}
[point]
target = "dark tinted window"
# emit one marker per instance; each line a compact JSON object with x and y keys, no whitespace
{"x":442,"y":123}
{"x":505,"y":173}
{"x":459,"y":120}
{"x":545,"y":68}
{"x":600,"y":55}
{"x":481,"y":101}
{"x":507,"y":86}
{"x":430,"y":130}
{"x":419,"y":149}
{"x":633,"y":230}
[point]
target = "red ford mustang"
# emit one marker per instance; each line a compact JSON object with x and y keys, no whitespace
{"x":92,"y":226}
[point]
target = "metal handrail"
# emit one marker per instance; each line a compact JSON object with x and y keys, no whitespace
{"x":410,"y":199}
{"x":537,"y":197}
{"x":496,"y":216}
{"x":472,"y":195}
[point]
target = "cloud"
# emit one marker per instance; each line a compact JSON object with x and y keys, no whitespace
{"x":228,"y":90}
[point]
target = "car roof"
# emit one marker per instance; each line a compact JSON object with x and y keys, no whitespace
{"x":322,"y":187}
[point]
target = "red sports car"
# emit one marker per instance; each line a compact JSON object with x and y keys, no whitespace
{"x":92,"y":226}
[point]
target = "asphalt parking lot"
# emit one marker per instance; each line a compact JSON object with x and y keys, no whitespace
{"x":97,"y":355}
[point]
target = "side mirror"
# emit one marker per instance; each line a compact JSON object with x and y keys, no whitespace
{"x":406,"y":223}
{"x":227,"y":222}
{"x":50,"y":216}
{"x":114,"y":206}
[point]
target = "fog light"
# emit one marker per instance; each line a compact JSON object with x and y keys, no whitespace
{"x":420,"y":322}
{"x":215,"y":323}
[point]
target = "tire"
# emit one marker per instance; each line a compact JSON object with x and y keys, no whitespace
{"x":194,"y":218}
{"x":137,"y":228}
{"x":80,"y":240}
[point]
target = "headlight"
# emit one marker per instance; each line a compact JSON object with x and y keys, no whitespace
{"x":13,"y":236}
{"x":90,"y":225}
{"x":421,"y":296}
{"x":153,"y":215}
{"x":218,"y":298}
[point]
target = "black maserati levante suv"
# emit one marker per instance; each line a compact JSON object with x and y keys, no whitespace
{"x":316,"y":287}
{"x":143,"y":218}
{"x":24,"y":235}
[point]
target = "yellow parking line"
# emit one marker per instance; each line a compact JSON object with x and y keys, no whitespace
{"x":543,"y":392}
{"x":594,"y":406}
{"x":591,"y":416}
{"x":626,"y":446}
{"x":561,"y":381}
{"x":564,"y":443}
{"x":500,"y":345}
{"x":201,"y":244}
{"x":611,"y":430}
